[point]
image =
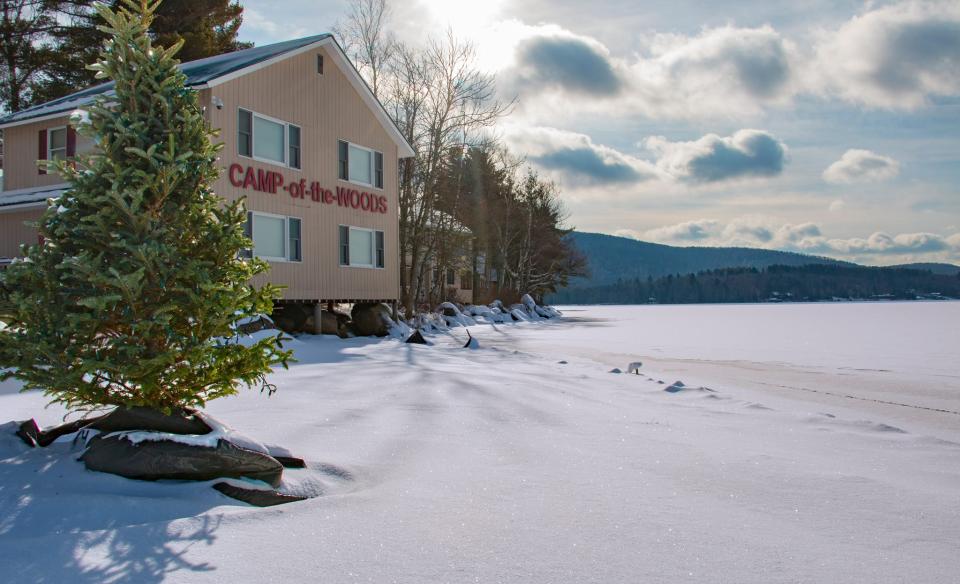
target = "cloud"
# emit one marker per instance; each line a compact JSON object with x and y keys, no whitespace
{"x":883,"y":243}
{"x":719,"y":71}
{"x":748,"y":153}
{"x":762,"y":232}
{"x":755,"y":62}
{"x":697,"y":230}
{"x":571,"y":63}
{"x":577,"y":157}
{"x":896,"y":56}
{"x":861,"y":166}
{"x":837,"y":206}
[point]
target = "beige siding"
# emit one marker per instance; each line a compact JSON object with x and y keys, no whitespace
{"x":14,"y":232}
{"x":22,"y":149}
{"x":327,"y":108}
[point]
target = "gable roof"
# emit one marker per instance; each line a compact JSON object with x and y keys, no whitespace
{"x":218,"y":69}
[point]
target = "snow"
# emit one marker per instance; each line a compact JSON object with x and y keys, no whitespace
{"x":783,"y":458}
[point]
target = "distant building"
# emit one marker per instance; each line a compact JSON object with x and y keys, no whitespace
{"x":306,"y":142}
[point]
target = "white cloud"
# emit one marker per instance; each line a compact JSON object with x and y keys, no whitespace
{"x":837,"y":206}
{"x":710,"y":159}
{"x":697,"y":230}
{"x":861,"y":166}
{"x":764,"y":232}
{"x":748,"y":153}
{"x":896,"y":56}
{"x":577,"y":157}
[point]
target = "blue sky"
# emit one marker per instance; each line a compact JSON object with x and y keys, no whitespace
{"x":825,"y":127}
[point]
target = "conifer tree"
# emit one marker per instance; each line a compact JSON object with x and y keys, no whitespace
{"x":131,"y":297}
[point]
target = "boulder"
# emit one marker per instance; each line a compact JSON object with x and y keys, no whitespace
{"x":251,"y":325}
{"x":139,"y":418}
{"x":293,"y":317}
{"x":119,"y":420}
{"x":371,"y":319}
{"x":256,"y":497}
{"x":334,"y":323}
{"x":416,"y":338}
{"x":152,"y":460}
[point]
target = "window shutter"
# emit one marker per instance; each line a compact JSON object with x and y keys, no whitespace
{"x":380,"y":254}
{"x":378,"y":170}
{"x":344,"y":158}
{"x":247,"y":253}
{"x":244,"y":133}
{"x":293,"y":232}
{"x":293,"y":137}
{"x":344,"y":245}
{"x":71,"y":142}
{"x":43,"y":151}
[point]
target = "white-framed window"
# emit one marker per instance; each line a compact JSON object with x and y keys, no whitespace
{"x":276,"y":238}
{"x":361,"y":248}
{"x":267,"y":139}
{"x":358,"y":164}
{"x":57,"y":143}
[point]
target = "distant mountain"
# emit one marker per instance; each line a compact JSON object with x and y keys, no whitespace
{"x":611,"y":258}
{"x":941,"y":269}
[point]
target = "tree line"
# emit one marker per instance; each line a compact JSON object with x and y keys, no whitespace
{"x":809,"y":283}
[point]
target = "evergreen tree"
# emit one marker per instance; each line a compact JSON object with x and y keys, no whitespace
{"x":25,"y":26}
{"x":206,"y":27}
{"x":130,"y":298}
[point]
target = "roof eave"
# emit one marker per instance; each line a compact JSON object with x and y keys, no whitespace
{"x":404,"y":150}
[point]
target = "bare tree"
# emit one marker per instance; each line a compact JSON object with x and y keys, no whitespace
{"x":365,"y":38}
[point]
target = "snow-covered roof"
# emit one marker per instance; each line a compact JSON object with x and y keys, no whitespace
{"x":30,"y":197}
{"x":198,"y":72}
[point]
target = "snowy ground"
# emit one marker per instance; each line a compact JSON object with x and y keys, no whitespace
{"x":528,"y":461}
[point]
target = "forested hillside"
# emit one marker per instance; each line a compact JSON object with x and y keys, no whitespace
{"x":772,"y":284}
{"x":612,"y":258}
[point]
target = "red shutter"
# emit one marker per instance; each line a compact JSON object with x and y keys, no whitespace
{"x":71,"y":142}
{"x":43,"y":150}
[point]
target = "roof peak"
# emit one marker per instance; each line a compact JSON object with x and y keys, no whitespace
{"x":198,"y":72}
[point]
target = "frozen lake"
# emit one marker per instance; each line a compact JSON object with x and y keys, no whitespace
{"x":805,"y":445}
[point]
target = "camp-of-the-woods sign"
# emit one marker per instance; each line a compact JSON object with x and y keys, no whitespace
{"x":270,"y":181}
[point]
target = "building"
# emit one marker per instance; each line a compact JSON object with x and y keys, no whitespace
{"x":305,"y":141}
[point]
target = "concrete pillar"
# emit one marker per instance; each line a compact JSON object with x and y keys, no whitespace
{"x":318,"y":318}
{"x":396,"y":312}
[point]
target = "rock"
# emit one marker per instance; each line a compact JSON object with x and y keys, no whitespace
{"x":252,"y":325}
{"x":165,"y":459}
{"x":29,"y":432}
{"x":334,"y":323}
{"x":293,"y":317}
{"x":256,"y":497}
{"x":471,"y":343}
{"x":290,"y":461}
{"x":371,"y":319}
{"x":449,"y":310}
{"x":140,"y":418}
{"x":616,"y":370}
{"x":675,"y":387}
{"x":416,"y":338}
